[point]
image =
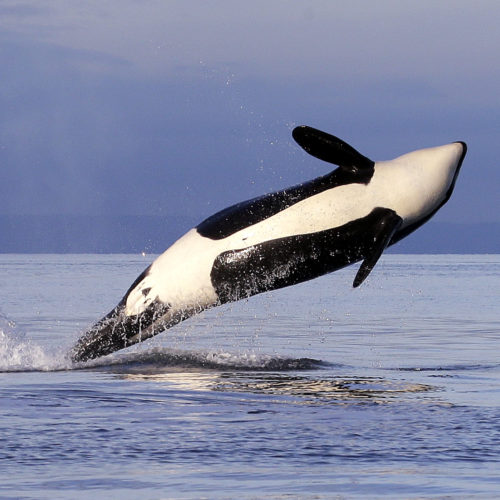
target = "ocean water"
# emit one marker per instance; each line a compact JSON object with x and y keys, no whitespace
{"x":318,"y":391}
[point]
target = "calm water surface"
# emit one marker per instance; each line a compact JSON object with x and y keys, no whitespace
{"x":317,"y":391}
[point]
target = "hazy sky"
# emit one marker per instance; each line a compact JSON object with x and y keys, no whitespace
{"x":184,"y":107}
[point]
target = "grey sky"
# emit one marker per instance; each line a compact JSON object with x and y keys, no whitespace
{"x":165,"y":107}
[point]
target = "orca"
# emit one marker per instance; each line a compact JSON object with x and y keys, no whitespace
{"x":283,"y":238}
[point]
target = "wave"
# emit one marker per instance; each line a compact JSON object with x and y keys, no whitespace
{"x":161,"y":359}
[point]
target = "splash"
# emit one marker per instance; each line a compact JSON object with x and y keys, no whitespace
{"x":19,"y":354}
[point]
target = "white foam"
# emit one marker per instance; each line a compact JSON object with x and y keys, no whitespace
{"x":17,"y":353}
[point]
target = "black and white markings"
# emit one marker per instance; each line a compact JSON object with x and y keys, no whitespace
{"x":348,"y":215}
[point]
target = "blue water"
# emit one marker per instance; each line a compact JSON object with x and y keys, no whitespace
{"x":319,"y":391}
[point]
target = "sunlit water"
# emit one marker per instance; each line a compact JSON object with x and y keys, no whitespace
{"x":391,"y":390}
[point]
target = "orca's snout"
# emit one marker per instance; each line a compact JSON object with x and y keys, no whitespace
{"x":464,"y":152}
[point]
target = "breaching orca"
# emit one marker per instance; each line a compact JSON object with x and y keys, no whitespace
{"x":283,"y":238}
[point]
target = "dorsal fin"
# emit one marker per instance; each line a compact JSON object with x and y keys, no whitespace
{"x":329,"y":148}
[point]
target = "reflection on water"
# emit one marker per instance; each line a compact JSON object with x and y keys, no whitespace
{"x":184,"y":380}
{"x":374,"y":389}
{"x":302,"y":378}
{"x":308,"y":389}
